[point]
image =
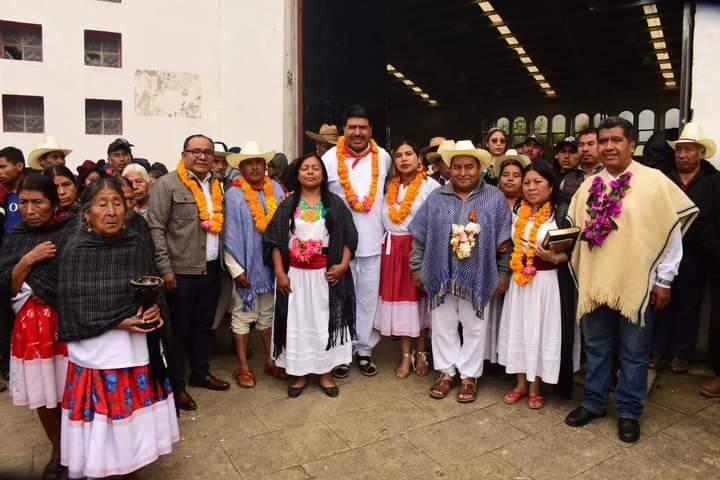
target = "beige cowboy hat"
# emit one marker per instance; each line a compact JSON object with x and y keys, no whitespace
{"x":328,"y":134}
{"x":50,"y":145}
{"x":511,"y":154}
{"x":693,"y":133}
{"x":465,"y":148}
{"x":436,"y":143}
{"x":249,"y":150}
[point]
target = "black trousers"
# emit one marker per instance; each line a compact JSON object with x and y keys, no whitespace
{"x":676,"y":326}
{"x":192,"y":311}
{"x":714,"y":333}
{"x":7,"y":319}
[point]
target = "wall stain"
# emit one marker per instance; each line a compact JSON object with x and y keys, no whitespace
{"x":168,"y":94}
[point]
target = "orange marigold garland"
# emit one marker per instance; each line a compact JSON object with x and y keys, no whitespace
{"x":366,"y":204}
{"x":398,"y":215}
{"x":261,"y":219}
{"x":210,"y":223}
{"x":524,"y":273}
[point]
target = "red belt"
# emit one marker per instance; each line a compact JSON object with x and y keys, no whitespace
{"x":541,"y":265}
{"x":316,"y":263}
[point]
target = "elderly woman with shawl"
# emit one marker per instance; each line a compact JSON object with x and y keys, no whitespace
{"x":118,"y":412}
{"x":28,"y":276}
{"x":310,"y":243}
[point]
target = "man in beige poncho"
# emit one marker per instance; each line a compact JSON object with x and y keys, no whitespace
{"x":632,"y":219}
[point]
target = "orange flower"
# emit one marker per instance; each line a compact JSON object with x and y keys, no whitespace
{"x":398,"y":215}
{"x":472,"y":216}
{"x":261,"y":219}
{"x":212,"y":224}
{"x":524,"y":273}
{"x":344,"y":176}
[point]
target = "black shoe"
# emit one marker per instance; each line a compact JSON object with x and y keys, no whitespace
{"x":294,"y":392}
{"x":209,"y":381}
{"x":628,"y":430}
{"x":341,"y":371}
{"x":581,"y":416}
{"x":367,"y":367}
{"x":332,"y":392}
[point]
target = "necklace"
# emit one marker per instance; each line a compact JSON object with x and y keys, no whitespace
{"x":355,"y":203}
{"x":398,"y":214}
{"x":260,"y":218}
{"x":214,"y":223}
{"x":524,"y":273}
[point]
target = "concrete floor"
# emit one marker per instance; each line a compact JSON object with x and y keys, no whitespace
{"x":386,"y":428}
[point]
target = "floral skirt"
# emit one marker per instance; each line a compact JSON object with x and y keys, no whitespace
{"x":115,"y":421}
{"x":402,"y":309}
{"x":38,"y":362}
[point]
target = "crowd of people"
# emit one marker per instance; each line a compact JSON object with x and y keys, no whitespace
{"x":467,"y":253}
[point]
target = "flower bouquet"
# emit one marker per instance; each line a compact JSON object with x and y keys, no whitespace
{"x":462,"y":239}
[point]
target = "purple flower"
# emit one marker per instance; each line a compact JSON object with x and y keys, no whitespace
{"x":615,"y":184}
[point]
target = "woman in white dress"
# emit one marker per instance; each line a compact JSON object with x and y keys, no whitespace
{"x":310,"y":242}
{"x":533,"y":336}
{"x":402,"y":308}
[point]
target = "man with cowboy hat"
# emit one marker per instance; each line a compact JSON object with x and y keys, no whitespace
{"x":251,"y":202}
{"x":48,"y":154}
{"x":457,"y":232}
{"x":324,"y":139}
{"x":185,"y":219}
{"x":441,"y":172}
{"x":676,"y":328}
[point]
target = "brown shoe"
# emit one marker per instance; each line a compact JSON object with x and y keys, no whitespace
{"x":184,"y":401}
{"x":210,"y":382}
{"x":467,"y":392}
{"x":711,"y":388}
{"x":245,"y":378}
{"x":275,"y":371}
{"x":679,"y":366}
{"x":441,"y":387}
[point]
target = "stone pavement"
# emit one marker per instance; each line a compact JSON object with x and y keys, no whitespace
{"x":386,"y":428}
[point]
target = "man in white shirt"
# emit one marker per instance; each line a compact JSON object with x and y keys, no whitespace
{"x":357,"y":169}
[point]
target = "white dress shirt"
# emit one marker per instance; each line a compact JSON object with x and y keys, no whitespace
{"x":212,"y":240}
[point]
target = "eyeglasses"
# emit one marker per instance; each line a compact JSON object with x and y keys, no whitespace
{"x":199,"y":153}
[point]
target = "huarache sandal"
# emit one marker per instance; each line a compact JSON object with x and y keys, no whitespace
{"x":513,"y":396}
{"x":535,"y":401}
{"x":441,"y":387}
{"x":341,"y":371}
{"x":275,"y":371}
{"x":421,"y":363}
{"x":367,"y":367}
{"x":245,"y":379}
{"x":403,"y":371}
{"x":467,"y":392}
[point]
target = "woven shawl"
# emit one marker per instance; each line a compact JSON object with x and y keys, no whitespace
{"x":244,"y":243}
{"x":43,"y":277}
{"x":474,"y":278}
{"x":341,"y":323}
{"x":619,"y":273}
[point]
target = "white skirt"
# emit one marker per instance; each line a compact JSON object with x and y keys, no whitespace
{"x":530,"y":334}
{"x":307,"y":327}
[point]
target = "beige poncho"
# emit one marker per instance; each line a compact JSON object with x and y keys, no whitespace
{"x":619,"y":273}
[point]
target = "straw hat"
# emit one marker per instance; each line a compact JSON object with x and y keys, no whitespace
{"x":249,"y":150}
{"x":50,"y":145}
{"x":465,"y":148}
{"x":511,"y":154}
{"x":328,"y":134}
{"x":431,"y":151}
{"x":693,"y":133}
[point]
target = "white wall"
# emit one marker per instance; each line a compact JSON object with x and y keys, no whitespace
{"x":237,"y":49}
{"x":705,"y":96}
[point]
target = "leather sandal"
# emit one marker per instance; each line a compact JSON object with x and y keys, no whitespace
{"x":245,"y":379}
{"x":275,"y":371}
{"x":341,"y":371}
{"x":367,"y":367}
{"x":421,"y":363}
{"x":513,"y":396}
{"x":535,"y":401}
{"x":400,"y":373}
{"x":467,"y":392}
{"x":441,"y":387}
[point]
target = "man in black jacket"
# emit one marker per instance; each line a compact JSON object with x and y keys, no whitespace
{"x":677,"y":326}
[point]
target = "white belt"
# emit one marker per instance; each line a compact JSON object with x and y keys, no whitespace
{"x":387,"y":238}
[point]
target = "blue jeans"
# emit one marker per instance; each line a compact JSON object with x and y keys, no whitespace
{"x":605,"y":328}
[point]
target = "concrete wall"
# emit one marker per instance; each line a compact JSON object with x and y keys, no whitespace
{"x":217,"y":67}
{"x":705,"y":96}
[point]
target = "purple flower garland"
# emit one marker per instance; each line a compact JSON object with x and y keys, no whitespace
{"x":603,"y":207}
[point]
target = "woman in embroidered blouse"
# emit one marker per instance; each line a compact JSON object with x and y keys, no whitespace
{"x":310,"y":242}
{"x":537,"y":329}
{"x":402,"y":310}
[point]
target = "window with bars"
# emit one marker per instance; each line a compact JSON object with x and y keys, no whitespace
{"x":103,"y":117}
{"x":23,"y":114}
{"x":21,"y":41}
{"x":103,"y":49}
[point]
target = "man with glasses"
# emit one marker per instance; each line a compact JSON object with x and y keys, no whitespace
{"x":185,"y":219}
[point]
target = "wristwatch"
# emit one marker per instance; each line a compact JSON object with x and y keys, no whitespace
{"x":663,"y":283}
